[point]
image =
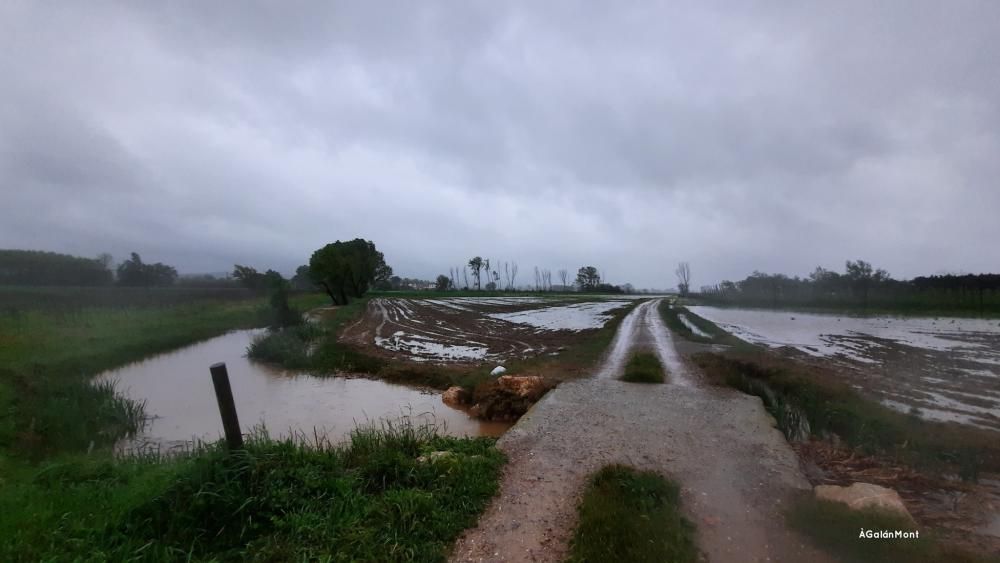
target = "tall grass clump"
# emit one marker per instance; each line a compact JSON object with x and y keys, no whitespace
{"x":74,"y":413}
{"x":819,"y":404}
{"x":288,"y":347}
{"x":643,"y":367}
{"x":631,"y":515}
{"x":379,"y":497}
{"x":670,"y":313}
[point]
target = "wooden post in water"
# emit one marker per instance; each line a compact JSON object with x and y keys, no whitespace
{"x":227,"y":408}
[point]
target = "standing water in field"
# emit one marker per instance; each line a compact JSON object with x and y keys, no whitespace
{"x":941,"y":368}
{"x":181,"y":404}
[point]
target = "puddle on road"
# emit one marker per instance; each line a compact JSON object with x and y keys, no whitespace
{"x":180,"y":400}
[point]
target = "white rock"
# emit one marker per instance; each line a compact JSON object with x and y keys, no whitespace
{"x":860,"y":496}
{"x":497,"y":371}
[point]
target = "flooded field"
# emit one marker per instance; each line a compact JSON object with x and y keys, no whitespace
{"x":181,"y":402}
{"x":946,"y":368}
{"x":468,"y":329}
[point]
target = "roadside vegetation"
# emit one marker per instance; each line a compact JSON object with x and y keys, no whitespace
{"x":808,"y":402}
{"x":631,"y":515}
{"x":670,"y":313}
{"x":383,"y":496}
{"x":643,"y":367}
{"x":836,"y":528}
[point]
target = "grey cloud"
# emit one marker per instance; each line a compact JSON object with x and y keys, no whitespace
{"x":758,"y":135}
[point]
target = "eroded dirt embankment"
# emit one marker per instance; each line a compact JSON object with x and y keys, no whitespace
{"x":735,"y":469}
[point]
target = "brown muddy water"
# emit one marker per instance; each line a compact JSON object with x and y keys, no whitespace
{"x":181,"y":404}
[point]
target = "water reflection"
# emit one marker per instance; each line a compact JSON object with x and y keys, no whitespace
{"x":179,"y":398}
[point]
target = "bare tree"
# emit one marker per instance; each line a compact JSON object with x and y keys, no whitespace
{"x":563,"y":277}
{"x":465,"y":276}
{"x":683,"y":278}
{"x":513,"y":275}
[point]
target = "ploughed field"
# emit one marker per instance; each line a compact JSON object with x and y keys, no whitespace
{"x":476,"y":329}
{"x":945,"y":369}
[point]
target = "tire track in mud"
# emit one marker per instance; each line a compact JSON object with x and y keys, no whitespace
{"x":443,"y":331}
{"x":735,"y":468}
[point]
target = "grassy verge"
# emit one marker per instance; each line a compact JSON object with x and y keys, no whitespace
{"x":670,"y":313}
{"x":47,"y":358}
{"x":643,"y":367}
{"x":371,"y":499}
{"x":837,"y":528}
{"x":808,"y":401}
{"x":630,"y":515}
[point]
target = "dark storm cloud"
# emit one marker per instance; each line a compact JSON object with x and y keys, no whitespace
{"x":772,"y":136}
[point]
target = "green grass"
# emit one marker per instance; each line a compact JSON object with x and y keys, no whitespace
{"x":669,"y":313}
{"x":804,"y":399}
{"x":288,"y":347}
{"x":643,"y":367}
{"x":370,"y":499}
{"x":63,"y":299}
{"x":630,"y":515}
{"x":48,"y":357}
{"x":836,"y":528}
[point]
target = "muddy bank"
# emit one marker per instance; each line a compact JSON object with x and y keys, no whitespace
{"x":181,"y":404}
{"x":504,"y":399}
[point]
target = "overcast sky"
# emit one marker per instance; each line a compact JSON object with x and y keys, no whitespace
{"x":734,"y":135}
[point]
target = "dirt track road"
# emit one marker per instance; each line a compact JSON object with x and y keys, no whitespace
{"x":735,"y":469}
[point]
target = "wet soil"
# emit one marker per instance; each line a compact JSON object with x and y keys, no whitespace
{"x":454,"y":331}
{"x":735,"y":468}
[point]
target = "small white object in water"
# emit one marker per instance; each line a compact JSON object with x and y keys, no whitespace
{"x":398,"y":333}
{"x":498,"y":371}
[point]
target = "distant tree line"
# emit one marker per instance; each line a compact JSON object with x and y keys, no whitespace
{"x":860,"y":286}
{"x":133,"y":272}
{"x":34,"y":267}
{"x":38,"y":268}
{"x":483,"y":274}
